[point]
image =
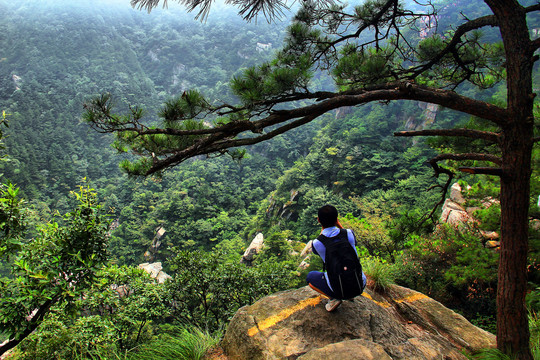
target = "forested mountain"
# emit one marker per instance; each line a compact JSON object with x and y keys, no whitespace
{"x":56,"y":55}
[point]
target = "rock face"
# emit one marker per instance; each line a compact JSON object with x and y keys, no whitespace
{"x":155,"y":271}
{"x":253,"y":249}
{"x":150,"y":254}
{"x":402,"y":324}
{"x":453,"y":213}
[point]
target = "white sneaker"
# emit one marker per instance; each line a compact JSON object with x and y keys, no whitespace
{"x":332,"y":304}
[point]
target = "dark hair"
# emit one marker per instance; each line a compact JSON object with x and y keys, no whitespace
{"x":328,"y":216}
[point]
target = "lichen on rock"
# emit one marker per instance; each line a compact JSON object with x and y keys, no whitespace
{"x":401,"y":324}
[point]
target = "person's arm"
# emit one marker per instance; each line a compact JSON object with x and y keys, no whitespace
{"x":313,"y":248}
{"x":352,"y":238}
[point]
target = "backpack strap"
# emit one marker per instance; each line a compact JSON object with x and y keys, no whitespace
{"x":326,"y":241}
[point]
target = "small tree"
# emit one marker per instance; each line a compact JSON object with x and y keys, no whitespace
{"x":374,"y":54}
{"x":55,"y":267}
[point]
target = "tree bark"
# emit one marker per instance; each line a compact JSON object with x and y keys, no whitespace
{"x":517,"y":140}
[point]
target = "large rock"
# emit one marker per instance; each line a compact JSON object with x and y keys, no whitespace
{"x":455,"y":194}
{"x":155,"y":271}
{"x":453,"y":214}
{"x":402,"y":324}
{"x":253,"y":249}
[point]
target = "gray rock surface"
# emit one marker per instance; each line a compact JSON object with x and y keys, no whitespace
{"x":402,"y":324}
{"x":253,"y":249}
{"x":155,"y":271}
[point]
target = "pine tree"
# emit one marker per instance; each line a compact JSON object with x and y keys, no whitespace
{"x":377,"y":51}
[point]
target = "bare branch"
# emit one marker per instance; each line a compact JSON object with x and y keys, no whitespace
{"x":535,"y":7}
{"x":439,"y":170}
{"x":475,"y":134}
{"x":469,"y":156}
{"x":32,"y":324}
{"x":483,"y":170}
{"x":535,"y":44}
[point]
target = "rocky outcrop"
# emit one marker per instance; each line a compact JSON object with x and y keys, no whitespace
{"x":17,"y":80}
{"x":402,"y":324}
{"x":150,"y":254}
{"x":454,"y":213}
{"x":304,"y":255}
{"x":155,"y":271}
{"x":288,"y":210}
{"x":253,"y":249}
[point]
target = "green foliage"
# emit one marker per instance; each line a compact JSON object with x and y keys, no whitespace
{"x":486,"y":322}
{"x":271,"y":80}
{"x":451,"y":264}
{"x":127,"y":299}
{"x":12,"y":220}
{"x":56,"y":267}
{"x":277,"y":247}
{"x":186,"y":343}
{"x":84,"y":337}
{"x":534,"y":329}
{"x":533,"y":300}
{"x":370,"y":230}
{"x":490,"y":354}
{"x":206,"y":291}
{"x":114,"y":316}
{"x":380,"y":273}
{"x":357,"y":67}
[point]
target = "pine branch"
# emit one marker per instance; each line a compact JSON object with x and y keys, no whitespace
{"x":535,"y":44}
{"x":471,"y":25}
{"x":219,"y":138}
{"x":483,"y":170}
{"x":474,"y":134}
{"x":249,"y":9}
{"x":220,"y":143}
{"x":469,"y":156}
{"x":223,"y":137}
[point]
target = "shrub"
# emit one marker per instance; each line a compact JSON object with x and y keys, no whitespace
{"x":379,"y":272}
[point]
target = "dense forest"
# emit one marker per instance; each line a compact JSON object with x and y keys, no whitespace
{"x":199,"y":218}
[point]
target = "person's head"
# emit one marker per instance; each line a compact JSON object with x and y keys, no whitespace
{"x":327,"y":216}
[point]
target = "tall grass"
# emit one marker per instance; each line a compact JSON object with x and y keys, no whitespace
{"x":534,"y":328}
{"x":379,"y":272}
{"x":188,"y":343}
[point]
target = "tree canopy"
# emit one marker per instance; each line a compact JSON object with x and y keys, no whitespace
{"x":379,"y":50}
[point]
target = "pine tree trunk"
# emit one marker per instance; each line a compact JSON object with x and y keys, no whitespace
{"x":512,"y":322}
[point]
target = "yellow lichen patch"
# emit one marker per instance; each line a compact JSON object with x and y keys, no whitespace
{"x":409,"y":298}
{"x":380,"y":303}
{"x":412,"y":298}
{"x":282,"y":315}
